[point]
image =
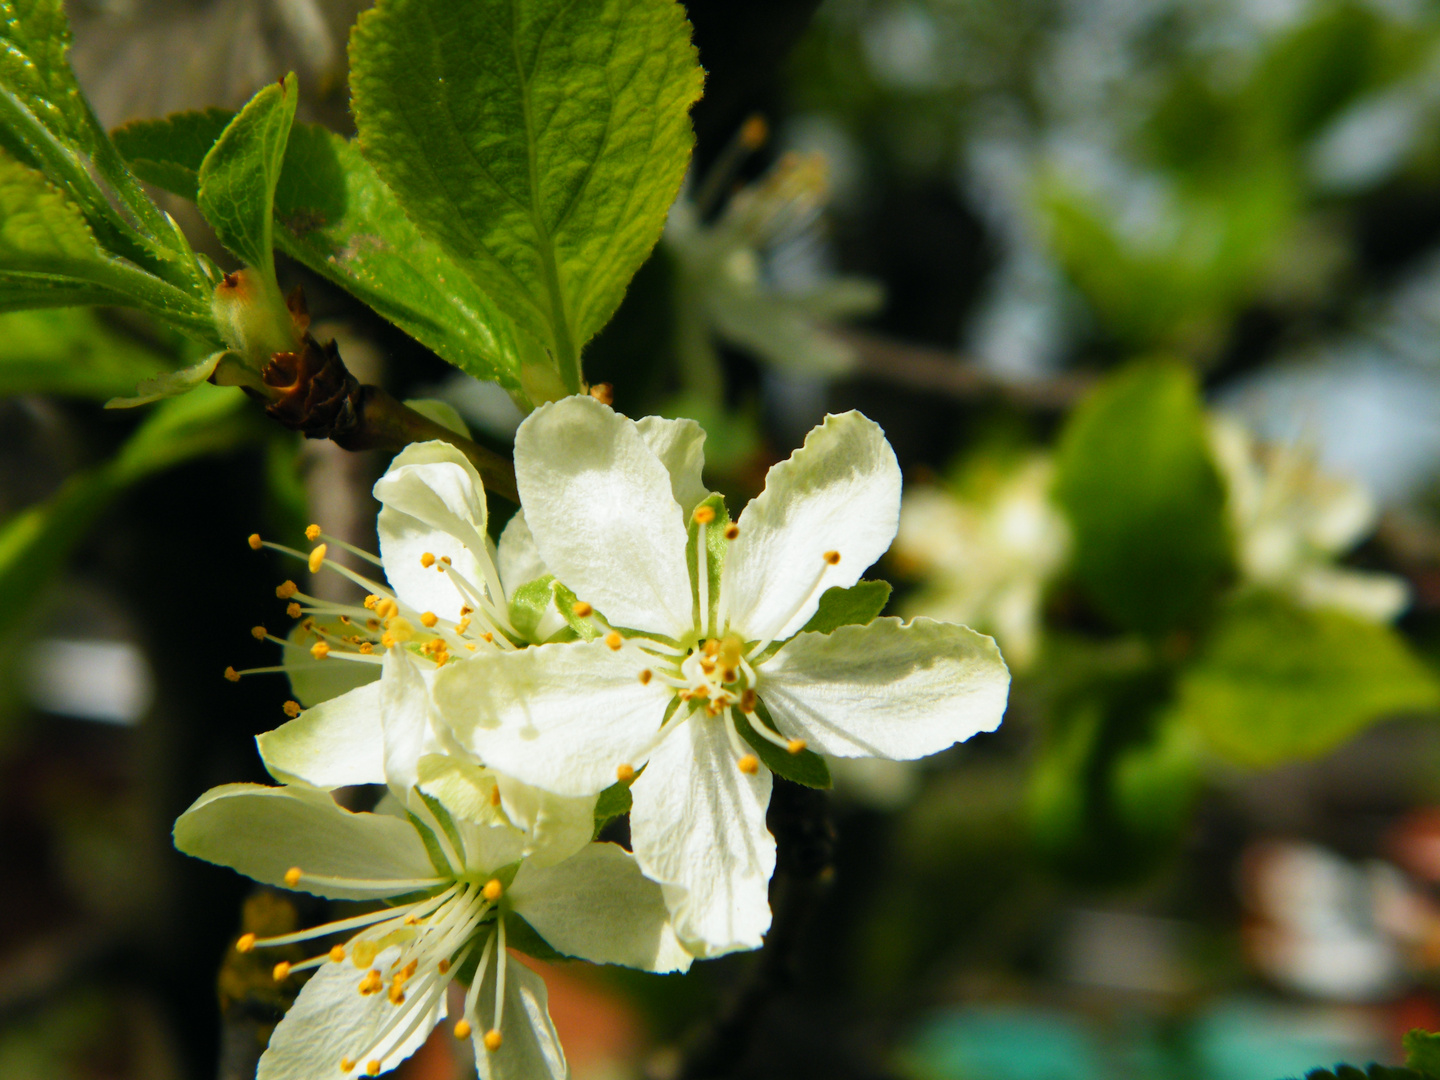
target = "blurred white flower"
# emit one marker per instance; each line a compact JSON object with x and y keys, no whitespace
{"x":1291,"y":522}
{"x":984,"y":561}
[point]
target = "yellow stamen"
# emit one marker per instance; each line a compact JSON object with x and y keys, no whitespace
{"x":337,"y":953}
{"x":373,"y":1067}
{"x":291,"y":709}
{"x":443,"y":966}
{"x":711,"y":647}
{"x":462,"y":1029}
{"x":246,"y":943}
{"x":232,"y":674}
{"x":286,"y":589}
{"x":400,"y":628}
{"x":371,"y":983}
{"x":316,"y":558}
{"x":292,"y":876}
{"x":703,"y":515}
{"x":492,"y":890}
{"x":254,"y":541}
{"x":320,"y":650}
{"x":366,"y":648}
{"x":604,"y":393}
{"x":732,"y":531}
{"x":293,"y":610}
{"x":646,"y":676}
{"x":312,"y":532}
{"x":363,"y":953}
{"x":747,"y":701}
{"x":462,"y":625}
{"x":624,"y":773}
{"x":445,"y":559}
{"x":832,"y":557}
{"x":495,"y":795}
{"x":282,"y":971}
{"x":258,"y":633}
{"x":397,"y":994}
{"x":584,"y":611}
{"x":387,"y":608}
{"x":754,"y":132}
{"x":346,"y":1064}
{"x":388,"y":640}
{"x":749,"y":764}
{"x":795,"y":745}
{"x":492,"y":1040}
{"x":429,"y":619}
{"x":370,"y":601}
{"x":427,"y":560}
{"x":614,"y":640}
{"x":466,"y":609}
{"x":728,"y":675}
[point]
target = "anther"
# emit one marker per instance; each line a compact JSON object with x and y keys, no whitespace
{"x":232,"y":674}
{"x":749,"y":764}
{"x":731,"y":531}
{"x":466,"y":609}
{"x":462,"y":625}
{"x":246,"y":943}
{"x":795,"y":745}
{"x":445,"y":559}
{"x":832,"y":557}
{"x":254,"y":541}
{"x":492,"y":1040}
{"x":346,"y":1064}
{"x":286,"y":589}
{"x":462,"y":1029}
{"x":397,"y":993}
{"x":387,"y":608}
{"x":366,"y":648}
{"x":754,"y":132}
{"x":292,"y":876}
{"x":370,"y":601}
{"x":371,"y":983}
{"x":604,"y":393}
{"x":427,"y":560}
{"x":703,"y":515}
{"x":320,"y":650}
{"x":747,"y":701}
{"x":495,"y":795}
{"x":646,"y":676}
{"x":443,"y":966}
{"x":293,"y":610}
{"x":428,"y":620}
{"x":728,"y":675}
{"x":337,"y":953}
{"x":258,"y":633}
{"x":372,"y":1067}
{"x":614,"y":640}
{"x":291,"y":709}
{"x":312,"y":532}
{"x":625,"y":773}
{"x":281,"y":971}
{"x":316,"y":558}
{"x":492,"y":890}
{"x":582,"y":609}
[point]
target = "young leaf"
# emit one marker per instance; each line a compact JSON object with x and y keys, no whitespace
{"x":1145,"y":502}
{"x":1277,"y":682}
{"x":1422,"y":1052}
{"x":613,"y":801}
{"x":239,"y":174}
{"x":34,"y":40}
{"x":859,"y":604}
{"x":40,"y":229}
{"x":540,"y":142}
{"x":333,"y":214}
{"x":72,"y":351}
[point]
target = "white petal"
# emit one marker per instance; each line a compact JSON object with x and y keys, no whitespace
{"x":405,"y":720}
{"x":886,"y":689}
{"x":529,"y":1047}
{"x":264,"y":831}
{"x":1363,"y":593}
{"x":433,"y":503}
{"x":680,"y":446}
{"x":562,"y":717}
{"x":331,"y":1020}
{"x":600,"y":907}
{"x":839,"y":492}
{"x":599,"y":503}
{"x":518,"y":559}
{"x":555,"y":826}
{"x":698,"y":828}
{"x":337,"y":743}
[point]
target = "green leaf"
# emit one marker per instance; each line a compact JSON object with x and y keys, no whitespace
{"x":239,"y":175}
{"x":540,"y":142}
{"x":40,"y":229}
{"x":1422,"y":1052}
{"x":1145,"y":502}
{"x":1276,"y":682}
{"x":529,"y":603}
{"x":333,"y":214}
{"x":72,"y":351}
{"x":859,"y":604}
{"x":34,"y":41}
{"x":806,"y":767}
{"x":613,"y":801}
{"x":1371,"y":1072}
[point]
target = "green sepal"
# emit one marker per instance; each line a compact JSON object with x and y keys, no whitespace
{"x":433,"y":849}
{"x":447,"y":825}
{"x":565,"y":602}
{"x":614,"y":801}
{"x":1422,"y":1052}
{"x":168,"y":152}
{"x":859,"y":604}
{"x":806,"y":767}
{"x":528,"y":605}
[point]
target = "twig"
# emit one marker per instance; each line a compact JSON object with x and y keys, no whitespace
{"x":936,"y":370}
{"x":800,"y":819}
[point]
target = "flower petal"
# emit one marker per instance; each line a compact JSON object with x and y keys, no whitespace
{"x":600,"y":907}
{"x":334,"y":744}
{"x":600,"y":505}
{"x":517,"y":557}
{"x":680,"y":446}
{"x":561,"y":717}
{"x":529,"y":1047}
{"x":405,"y":720}
{"x":555,"y":826}
{"x":840,"y":492}
{"x":887,"y":689}
{"x":698,"y":828}
{"x":332,"y":1021}
{"x":264,"y":831}
{"x":433,"y":503}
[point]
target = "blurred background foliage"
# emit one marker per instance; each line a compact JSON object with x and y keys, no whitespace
{"x":1146,"y":294}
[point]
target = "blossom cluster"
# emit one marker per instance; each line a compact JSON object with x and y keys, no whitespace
{"x":624,"y":644}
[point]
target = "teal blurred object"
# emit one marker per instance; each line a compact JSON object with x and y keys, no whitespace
{"x":1236,"y":1039}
